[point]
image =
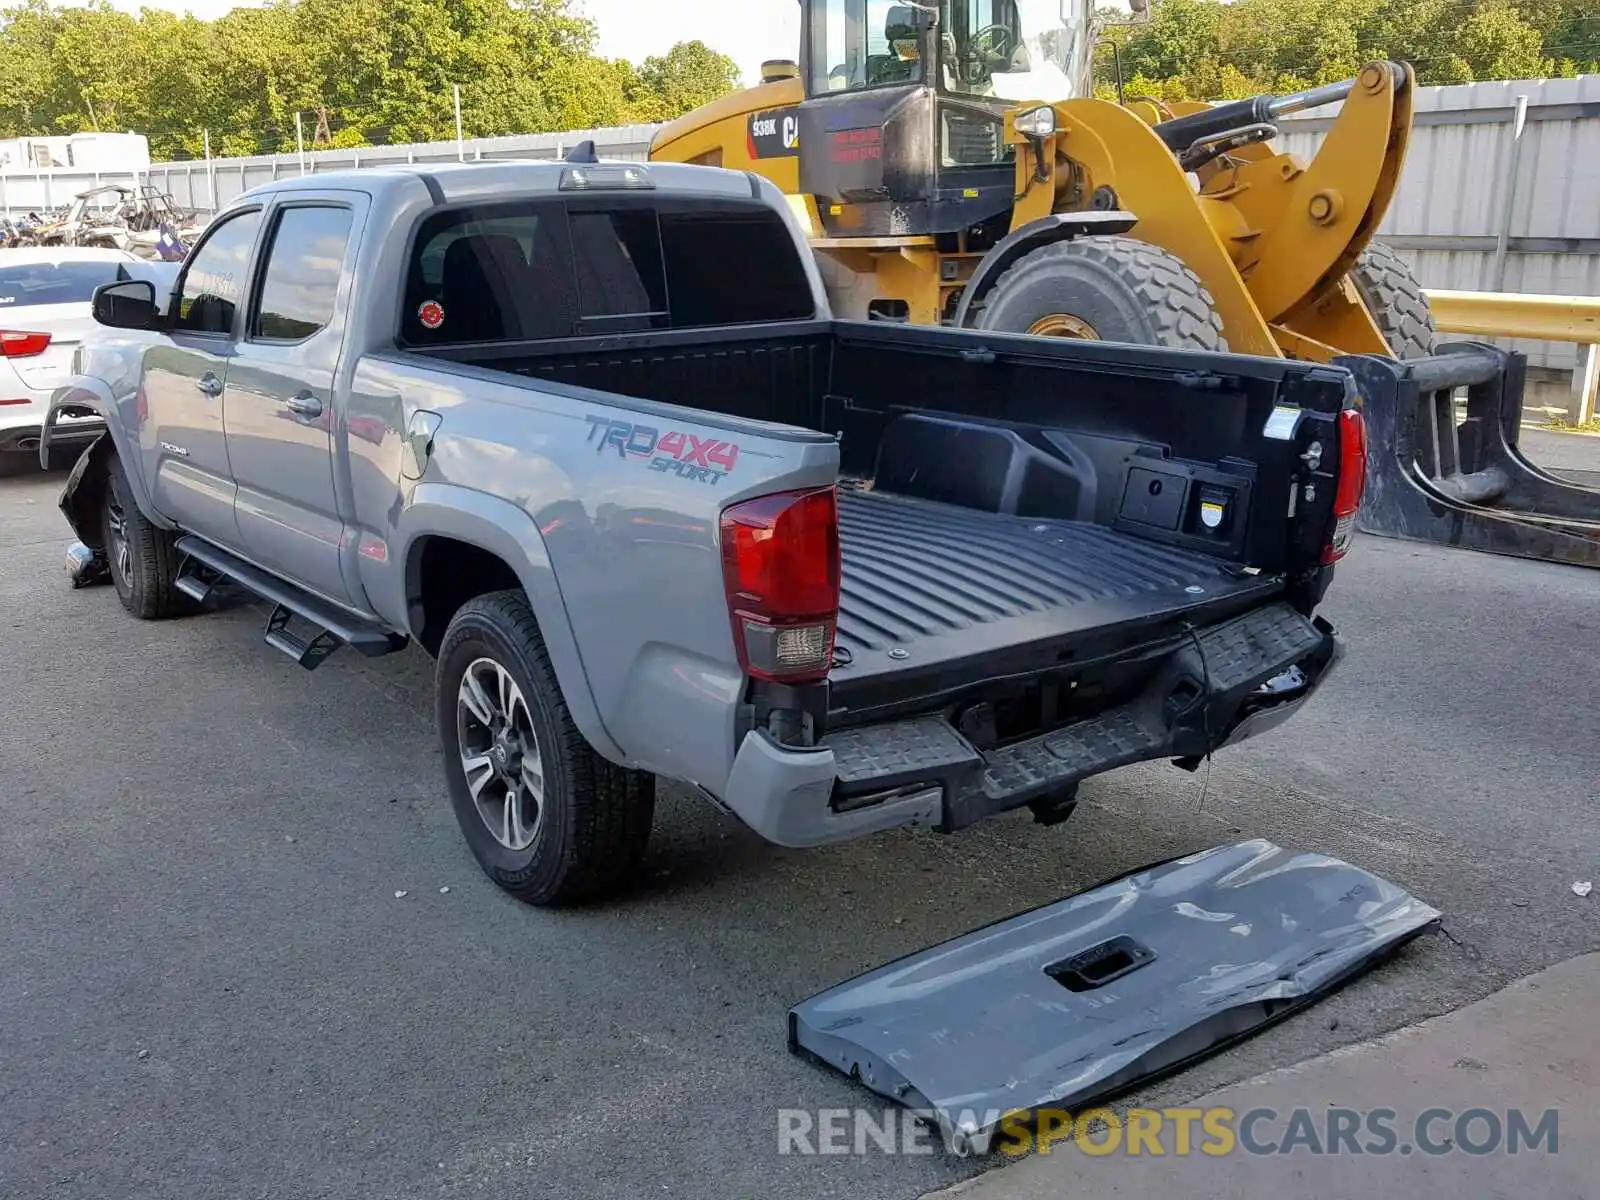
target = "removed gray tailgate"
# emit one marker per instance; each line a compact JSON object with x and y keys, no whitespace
{"x":1084,"y":997}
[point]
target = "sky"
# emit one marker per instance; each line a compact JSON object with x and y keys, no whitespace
{"x":748,"y":31}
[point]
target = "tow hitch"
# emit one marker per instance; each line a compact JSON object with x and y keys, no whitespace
{"x":1087,"y":997}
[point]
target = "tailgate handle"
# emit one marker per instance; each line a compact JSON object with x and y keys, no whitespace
{"x":1100,"y":965}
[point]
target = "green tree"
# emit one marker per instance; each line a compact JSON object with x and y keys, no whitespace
{"x":687,"y":76}
{"x":358,"y":71}
{"x":1207,"y":49}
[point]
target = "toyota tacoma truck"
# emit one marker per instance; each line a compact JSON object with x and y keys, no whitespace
{"x":586,"y":433}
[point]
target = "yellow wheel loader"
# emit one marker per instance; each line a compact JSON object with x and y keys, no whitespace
{"x":951,"y":165}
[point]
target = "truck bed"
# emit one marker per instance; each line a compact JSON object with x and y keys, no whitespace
{"x":1012,"y":510}
{"x":933,"y":592}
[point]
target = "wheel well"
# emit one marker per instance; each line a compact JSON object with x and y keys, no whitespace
{"x":1058,"y":227}
{"x":442,"y":574}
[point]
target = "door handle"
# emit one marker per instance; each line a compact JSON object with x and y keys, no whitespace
{"x":304,"y":405}
{"x":209,"y":384}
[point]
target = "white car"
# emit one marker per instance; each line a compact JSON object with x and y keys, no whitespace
{"x":45,"y":294}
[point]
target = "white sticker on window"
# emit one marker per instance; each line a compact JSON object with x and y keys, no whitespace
{"x":1280,"y":425}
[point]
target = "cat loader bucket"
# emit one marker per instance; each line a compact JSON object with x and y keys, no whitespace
{"x":1436,"y":476}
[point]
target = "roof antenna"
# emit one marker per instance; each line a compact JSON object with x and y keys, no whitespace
{"x":583,"y":152}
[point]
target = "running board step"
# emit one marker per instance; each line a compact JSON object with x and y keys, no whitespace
{"x":333,"y":627}
{"x":308,"y":652}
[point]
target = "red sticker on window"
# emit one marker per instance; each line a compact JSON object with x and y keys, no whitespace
{"x":431,"y":314}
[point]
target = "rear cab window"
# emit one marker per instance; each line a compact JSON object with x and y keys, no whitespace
{"x":25,"y":284}
{"x":559,"y":268}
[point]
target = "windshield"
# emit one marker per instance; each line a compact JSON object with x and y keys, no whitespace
{"x":1016,"y":49}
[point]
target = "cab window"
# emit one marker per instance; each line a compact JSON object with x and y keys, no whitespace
{"x":859,"y":44}
{"x":301,"y":284}
{"x":214,"y":283}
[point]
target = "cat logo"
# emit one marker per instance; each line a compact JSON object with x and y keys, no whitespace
{"x":774,"y":134}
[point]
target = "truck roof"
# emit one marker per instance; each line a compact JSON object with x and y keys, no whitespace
{"x":464,"y":182}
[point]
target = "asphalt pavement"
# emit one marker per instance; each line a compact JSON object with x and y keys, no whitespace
{"x":1501,"y":1098}
{"x":1575,"y":455}
{"x":209,"y":986}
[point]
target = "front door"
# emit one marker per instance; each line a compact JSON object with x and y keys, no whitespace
{"x":180,"y":391}
{"x":279,"y":405}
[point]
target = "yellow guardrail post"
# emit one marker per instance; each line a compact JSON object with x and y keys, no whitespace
{"x":1538,"y":318}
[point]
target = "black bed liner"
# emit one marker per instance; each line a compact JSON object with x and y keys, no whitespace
{"x":932,"y":588}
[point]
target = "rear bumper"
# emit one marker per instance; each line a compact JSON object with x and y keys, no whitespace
{"x":1229,"y":682}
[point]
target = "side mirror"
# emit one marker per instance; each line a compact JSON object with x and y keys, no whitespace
{"x":1139,"y":7}
{"x":130,"y":304}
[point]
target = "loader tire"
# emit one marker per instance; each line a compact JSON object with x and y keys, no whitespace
{"x":547,"y":818}
{"x":144,"y":559}
{"x":1396,"y":301}
{"x":1110,"y":289}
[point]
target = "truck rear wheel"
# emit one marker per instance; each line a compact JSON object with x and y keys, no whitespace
{"x":1396,"y":301}
{"x":547,"y":818}
{"x":143,"y":558}
{"x":1111,"y":289}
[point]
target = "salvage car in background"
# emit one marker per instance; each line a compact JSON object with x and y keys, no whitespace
{"x":45,"y":294}
{"x":142,"y":220}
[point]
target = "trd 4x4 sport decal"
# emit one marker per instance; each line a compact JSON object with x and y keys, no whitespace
{"x":687,"y":455}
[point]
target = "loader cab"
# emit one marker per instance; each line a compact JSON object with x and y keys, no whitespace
{"x":901,"y":133}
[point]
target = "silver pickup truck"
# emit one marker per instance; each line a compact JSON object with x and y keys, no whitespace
{"x":586,"y":433}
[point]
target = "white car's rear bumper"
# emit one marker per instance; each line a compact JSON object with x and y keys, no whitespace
{"x":21,"y":425}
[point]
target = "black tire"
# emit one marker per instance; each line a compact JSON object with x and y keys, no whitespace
{"x":146,"y":575}
{"x":1396,"y":301}
{"x":1125,"y":290}
{"x":590,"y":831}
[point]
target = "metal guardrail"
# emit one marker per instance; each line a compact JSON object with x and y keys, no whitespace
{"x":1539,"y":318}
{"x":1503,"y":314}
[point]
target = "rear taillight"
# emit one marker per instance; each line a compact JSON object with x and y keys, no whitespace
{"x":18,"y":344}
{"x":1352,"y":483}
{"x":780,"y":569}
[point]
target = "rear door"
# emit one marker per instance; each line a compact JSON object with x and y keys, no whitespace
{"x":280,"y":405}
{"x":182,"y":380}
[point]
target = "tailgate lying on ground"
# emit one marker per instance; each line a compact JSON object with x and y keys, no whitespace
{"x":1085,"y":997}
